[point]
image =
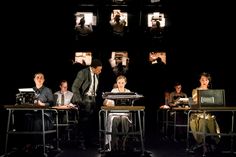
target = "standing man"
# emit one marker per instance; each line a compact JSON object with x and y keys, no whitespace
{"x":84,"y":88}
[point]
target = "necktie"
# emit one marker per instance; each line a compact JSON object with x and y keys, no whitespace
{"x":94,"y":84}
{"x":62,"y":99}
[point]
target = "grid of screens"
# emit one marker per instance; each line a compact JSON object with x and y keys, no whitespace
{"x":119,"y":58}
{"x":90,"y":18}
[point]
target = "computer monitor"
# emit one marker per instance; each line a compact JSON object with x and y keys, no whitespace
{"x":156,"y":16}
{"x":84,"y":58}
{"x":89,"y":17}
{"x":211,"y":98}
{"x":157,"y":57}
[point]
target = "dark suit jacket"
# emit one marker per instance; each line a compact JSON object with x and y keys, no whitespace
{"x":81,"y":85}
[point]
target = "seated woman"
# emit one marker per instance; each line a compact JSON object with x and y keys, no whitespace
{"x":197,"y":121}
{"x":117,"y":121}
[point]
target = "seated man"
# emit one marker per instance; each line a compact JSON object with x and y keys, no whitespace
{"x":117,"y":121}
{"x":176,"y":94}
{"x":63,"y":99}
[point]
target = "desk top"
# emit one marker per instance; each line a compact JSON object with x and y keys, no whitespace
{"x":24,"y":106}
{"x":230,"y":108}
{"x":131,"y":108}
{"x":29,"y":106}
{"x":233,"y":108}
{"x":65,"y":107}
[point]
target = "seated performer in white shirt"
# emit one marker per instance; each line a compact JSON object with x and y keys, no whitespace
{"x":117,"y":122}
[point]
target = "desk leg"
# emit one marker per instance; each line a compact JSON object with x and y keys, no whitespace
{"x":67,"y":121}
{"x":167,"y":122}
{"x":7,"y":130}
{"x":188,"y":131}
{"x":175,"y":113}
{"x":204,"y":134}
{"x":99,"y":130}
{"x":43,"y":127}
{"x":106,"y":131}
{"x":144,"y":123}
{"x":232,"y":131}
{"x":141,"y":132}
{"x":57,"y":130}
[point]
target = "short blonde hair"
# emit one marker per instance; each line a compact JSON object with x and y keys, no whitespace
{"x":121,"y":77}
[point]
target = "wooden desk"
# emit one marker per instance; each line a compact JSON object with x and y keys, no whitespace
{"x":42,"y":109}
{"x":139,"y":110}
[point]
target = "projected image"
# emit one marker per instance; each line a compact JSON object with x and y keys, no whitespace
{"x":153,"y":18}
{"x":119,"y":1}
{"x":157,"y":57}
{"x":84,"y":58}
{"x":89,"y":18}
{"x":118,"y":15}
{"x":119,"y":62}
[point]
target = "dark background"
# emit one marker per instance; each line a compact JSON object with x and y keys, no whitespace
{"x":38,"y":36}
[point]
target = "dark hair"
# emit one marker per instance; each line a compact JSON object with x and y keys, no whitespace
{"x":63,"y":81}
{"x":206,"y":75}
{"x":95,"y":63}
{"x":38,"y":73}
{"x":177,"y":84}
